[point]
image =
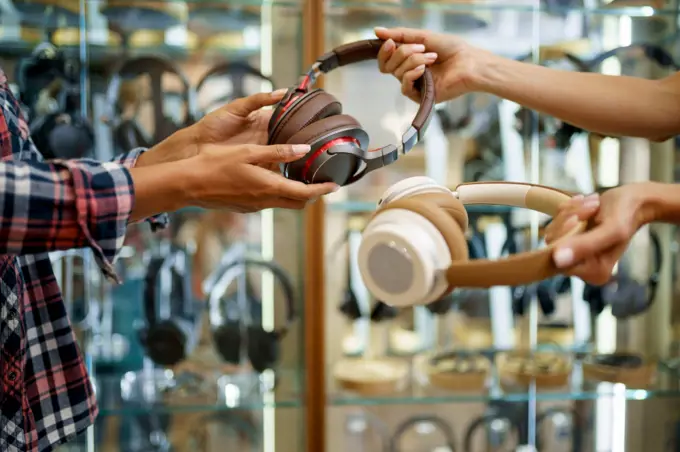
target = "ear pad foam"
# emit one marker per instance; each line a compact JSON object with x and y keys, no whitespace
{"x":304,"y":111}
{"x":227,"y":340}
{"x":317,"y":134}
{"x":264,"y":348}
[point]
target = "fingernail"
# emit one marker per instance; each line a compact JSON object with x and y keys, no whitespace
{"x":591,"y":201}
{"x":312,"y":201}
{"x":420,"y":68}
{"x":430,"y":56}
{"x":336,"y":188}
{"x":279,"y":92}
{"x":379,"y":28}
{"x":389,"y":44}
{"x":418,"y":48}
{"x":577,"y":197}
{"x":563,"y":257}
{"x":301,"y":148}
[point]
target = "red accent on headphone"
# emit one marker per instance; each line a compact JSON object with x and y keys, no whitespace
{"x":324,"y":148}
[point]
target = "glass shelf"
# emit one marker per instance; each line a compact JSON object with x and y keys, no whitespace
{"x":458,"y":7}
{"x":667,"y":385}
{"x":131,"y":395}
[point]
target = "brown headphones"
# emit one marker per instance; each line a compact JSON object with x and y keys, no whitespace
{"x":339,"y":144}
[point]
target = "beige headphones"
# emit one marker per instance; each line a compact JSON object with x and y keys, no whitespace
{"x":413,"y":250}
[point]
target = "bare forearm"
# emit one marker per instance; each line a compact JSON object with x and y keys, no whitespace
{"x":610,"y":105}
{"x":662,"y":201}
{"x":160,"y":188}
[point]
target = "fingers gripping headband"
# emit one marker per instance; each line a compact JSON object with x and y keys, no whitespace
{"x":315,"y":117}
{"x":414,"y":249}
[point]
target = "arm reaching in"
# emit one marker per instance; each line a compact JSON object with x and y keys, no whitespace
{"x":610,"y":105}
{"x":615,"y":217}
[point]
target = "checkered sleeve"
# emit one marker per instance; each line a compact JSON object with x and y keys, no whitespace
{"x":128,"y":160}
{"x":62,"y":204}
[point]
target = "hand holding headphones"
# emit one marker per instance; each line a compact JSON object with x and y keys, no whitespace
{"x":414,"y":249}
{"x":340,"y":151}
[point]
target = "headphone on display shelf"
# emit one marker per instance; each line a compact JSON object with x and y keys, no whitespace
{"x":499,"y":426}
{"x":237,"y":72}
{"x":349,"y":306}
{"x":566,"y":423}
{"x":261,"y":346}
{"x":457,"y":370}
{"x":127,"y":132}
{"x":437,"y":422}
{"x":561,"y":132}
{"x":340,"y":152}
{"x":56,"y":125}
{"x":626,"y":296}
{"x":413,"y":250}
{"x":651,"y":51}
{"x":169,"y":341}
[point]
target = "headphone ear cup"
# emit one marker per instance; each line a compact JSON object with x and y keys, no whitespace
{"x":593,"y":296}
{"x":350,"y":306}
{"x":166,"y":343}
{"x":263,"y":348}
{"x":227,"y":339}
{"x":382,"y":312}
{"x":520,"y":299}
{"x":441,"y":306}
{"x":305,"y":110}
{"x":321,"y":135}
{"x":545,"y":296}
{"x":628,"y":299}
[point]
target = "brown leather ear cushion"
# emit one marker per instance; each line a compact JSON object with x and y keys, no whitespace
{"x":309,"y":108}
{"x":437,"y":209}
{"x":451,"y":205}
{"x":322,"y":127}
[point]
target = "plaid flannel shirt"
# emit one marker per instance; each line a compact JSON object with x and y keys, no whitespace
{"x":46,"y":397}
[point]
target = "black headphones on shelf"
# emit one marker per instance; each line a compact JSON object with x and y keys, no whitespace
{"x":127,"y":132}
{"x":561,"y":132}
{"x":56,"y":124}
{"x":652,"y":52}
{"x":476,"y":250}
{"x":169,"y":341}
{"x":626,"y":296}
{"x":340,"y":151}
{"x":506,"y":423}
{"x":349,"y":306}
{"x":436,"y":421}
{"x":570,"y":428}
{"x":262,"y":346}
{"x":236,"y":72}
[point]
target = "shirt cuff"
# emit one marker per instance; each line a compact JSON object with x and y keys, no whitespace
{"x":129,"y":160}
{"x":104,"y":195}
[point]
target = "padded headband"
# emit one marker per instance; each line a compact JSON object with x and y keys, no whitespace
{"x":235,"y":70}
{"x":484,"y":421}
{"x":154,"y":269}
{"x":522,"y":268}
{"x":155,"y":67}
{"x":440,"y":423}
{"x":518,"y":269}
{"x":279,"y":273}
{"x":653,"y":52}
{"x":355,"y":52}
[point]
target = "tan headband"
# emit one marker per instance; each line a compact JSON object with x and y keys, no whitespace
{"x":521,"y":268}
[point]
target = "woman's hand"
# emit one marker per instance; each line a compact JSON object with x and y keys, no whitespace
{"x":453,"y":62}
{"x":243,"y":121}
{"x":614,"y":216}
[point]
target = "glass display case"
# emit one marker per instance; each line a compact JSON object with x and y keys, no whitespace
{"x":128,"y":74}
{"x":534,"y":366}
